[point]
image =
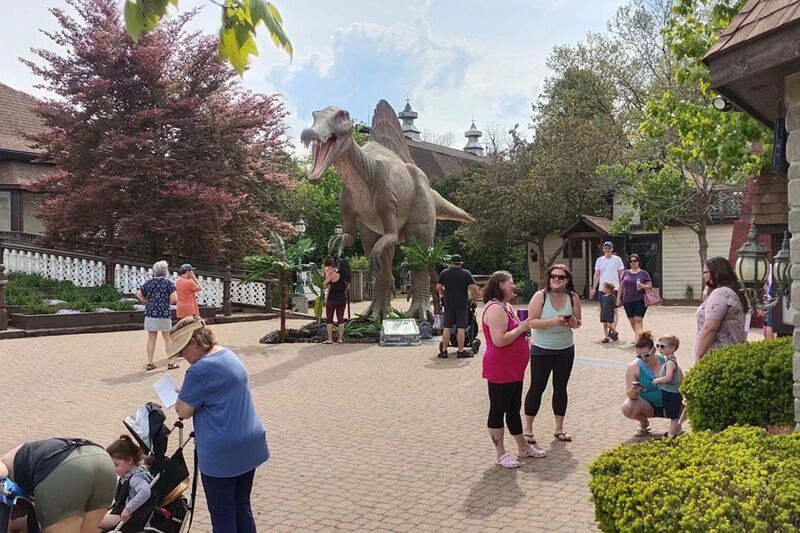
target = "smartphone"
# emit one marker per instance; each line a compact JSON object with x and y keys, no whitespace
{"x":637,"y":385}
{"x":568,"y":317}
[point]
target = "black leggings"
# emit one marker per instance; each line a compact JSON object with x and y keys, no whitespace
{"x":505,"y":400}
{"x":544,"y":361}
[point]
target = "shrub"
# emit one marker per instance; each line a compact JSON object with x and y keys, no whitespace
{"x":358,"y":262}
{"x":737,"y":480}
{"x":119,"y":306}
{"x":104,"y":293}
{"x":745,"y":384}
{"x":21,"y":295}
{"x":42,"y":308}
{"x":33,"y":281}
{"x":81,"y":305}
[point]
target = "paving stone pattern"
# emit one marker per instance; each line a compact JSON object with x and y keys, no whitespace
{"x":362,"y":438}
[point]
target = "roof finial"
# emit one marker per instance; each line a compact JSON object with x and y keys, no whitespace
{"x":408,"y":115}
{"x":473,"y":144}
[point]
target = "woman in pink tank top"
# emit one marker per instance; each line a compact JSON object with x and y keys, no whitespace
{"x":504,"y":366}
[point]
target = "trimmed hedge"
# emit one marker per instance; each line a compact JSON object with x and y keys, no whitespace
{"x":738,"y":480}
{"x":744,"y":384}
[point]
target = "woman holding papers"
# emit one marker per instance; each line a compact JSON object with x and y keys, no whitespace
{"x":231,"y":442}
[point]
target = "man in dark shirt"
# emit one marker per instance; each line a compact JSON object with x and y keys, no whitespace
{"x":453,"y":284}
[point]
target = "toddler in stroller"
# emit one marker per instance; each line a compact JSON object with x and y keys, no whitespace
{"x":165,"y":509}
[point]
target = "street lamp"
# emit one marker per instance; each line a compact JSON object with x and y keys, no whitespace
{"x":752,"y":268}
{"x":300,"y":226}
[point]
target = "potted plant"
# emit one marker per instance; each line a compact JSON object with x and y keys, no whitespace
{"x":420,"y":257}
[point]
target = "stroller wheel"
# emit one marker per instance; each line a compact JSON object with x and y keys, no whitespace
{"x":476,"y":346}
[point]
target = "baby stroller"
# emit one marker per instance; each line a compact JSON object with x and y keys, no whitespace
{"x":167,"y":509}
{"x":470,"y":333}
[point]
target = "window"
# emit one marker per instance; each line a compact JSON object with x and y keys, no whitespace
{"x":575,"y":248}
{"x":31,"y":205}
{"x":5,"y":210}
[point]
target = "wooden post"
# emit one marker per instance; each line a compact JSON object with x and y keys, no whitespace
{"x":3,"y":283}
{"x":226,"y":292}
{"x":589,"y":273}
{"x":282,"y":281}
{"x":109,"y":264}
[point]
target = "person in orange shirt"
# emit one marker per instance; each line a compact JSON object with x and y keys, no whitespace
{"x":187,"y":288}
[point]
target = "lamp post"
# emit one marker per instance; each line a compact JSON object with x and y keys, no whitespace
{"x":752,"y":268}
{"x":299,"y":229}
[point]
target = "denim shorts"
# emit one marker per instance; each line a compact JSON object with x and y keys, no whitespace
{"x":673,"y":403}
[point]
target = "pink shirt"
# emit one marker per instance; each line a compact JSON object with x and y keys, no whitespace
{"x":723,"y":304}
{"x":505,"y":364}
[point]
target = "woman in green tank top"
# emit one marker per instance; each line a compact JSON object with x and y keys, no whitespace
{"x":644,"y":398}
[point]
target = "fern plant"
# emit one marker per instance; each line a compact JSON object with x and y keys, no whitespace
{"x":419,"y":257}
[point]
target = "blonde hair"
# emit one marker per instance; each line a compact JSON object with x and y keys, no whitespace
{"x":608,"y":285}
{"x":672,"y":340}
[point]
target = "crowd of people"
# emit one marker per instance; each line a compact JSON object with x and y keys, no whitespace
{"x":78,"y":484}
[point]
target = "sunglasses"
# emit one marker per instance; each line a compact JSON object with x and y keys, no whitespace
{"x":662,"y":346}
{"x":559,"y":277}
{"x":633,"y":260}
{"x":643,"y":355}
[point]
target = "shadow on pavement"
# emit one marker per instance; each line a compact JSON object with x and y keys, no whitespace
{"x":448,"y":364}
{"x":555,"y":467}
{"x":144,"y":375}
{"x":311,"y":353}
{"x":497,"y":488}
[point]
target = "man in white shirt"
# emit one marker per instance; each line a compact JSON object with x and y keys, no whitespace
{"x":608,"y":268}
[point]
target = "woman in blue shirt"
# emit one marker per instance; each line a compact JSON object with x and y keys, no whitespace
{"x":644,"y":399}
{"x":159,"y":294}
{"x":231,"y":442}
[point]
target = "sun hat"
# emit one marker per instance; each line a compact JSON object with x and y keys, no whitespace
{"x":181,"y":333}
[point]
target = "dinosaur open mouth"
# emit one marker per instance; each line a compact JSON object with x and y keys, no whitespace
{"x":321,"y":152}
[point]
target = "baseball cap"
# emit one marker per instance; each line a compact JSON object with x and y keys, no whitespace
{"x":186,"y":267}
{"x":608,"y":243}
{"x":456,"y":259}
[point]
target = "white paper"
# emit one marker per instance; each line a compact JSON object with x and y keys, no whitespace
{"x":165,"y":388}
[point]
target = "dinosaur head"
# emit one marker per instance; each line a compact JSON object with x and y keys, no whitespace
{"x":328,"y":137}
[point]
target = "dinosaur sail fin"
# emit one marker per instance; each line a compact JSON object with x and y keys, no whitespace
{"x":386,"y":131}
{"x":447,"y":211}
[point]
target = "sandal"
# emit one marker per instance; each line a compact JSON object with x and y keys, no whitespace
{"x":534,"y":452}
{"x":642,"y":432}
{"x":173,"y":366}
{"x":529,"y":438}
{"x":669,"y":435}
{"x":150,"y":366}
{"x":563,"y":437}
{"x":507,"y":461}
{"x":328,"y":342}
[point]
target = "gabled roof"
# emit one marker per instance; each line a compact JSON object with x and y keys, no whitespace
{"x":588,"y":224}
{"x":441,"y":161}
{"x":17,"y":116}
{"x":756,"y":19}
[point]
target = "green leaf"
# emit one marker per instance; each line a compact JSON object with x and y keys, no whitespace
{"x":134,"y":19}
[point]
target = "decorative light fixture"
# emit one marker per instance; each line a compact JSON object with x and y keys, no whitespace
{"x":300,"y":226}
{"x":338,"y":230}
{"x":752,"y":268}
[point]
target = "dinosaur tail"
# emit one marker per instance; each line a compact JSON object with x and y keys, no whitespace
{"x":447,"y":211}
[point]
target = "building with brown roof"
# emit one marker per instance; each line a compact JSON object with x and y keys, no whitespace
{"x":20,"y":163}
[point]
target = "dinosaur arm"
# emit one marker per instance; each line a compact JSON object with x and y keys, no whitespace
{"x":389,"y":237}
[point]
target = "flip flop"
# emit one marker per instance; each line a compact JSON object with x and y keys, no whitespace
{"x":173,"y":366}
{"x":150,"y":366}
{"x":563,"y":437}
{"x":534,"y":452}
{"x":507,"y":461}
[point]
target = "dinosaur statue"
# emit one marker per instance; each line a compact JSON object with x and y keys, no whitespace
{"x":384,"y":190}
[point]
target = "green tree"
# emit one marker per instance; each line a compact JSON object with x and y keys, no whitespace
{"x":237,"y":34}
{"x":688,"y":155}
{"x":282,"y":259}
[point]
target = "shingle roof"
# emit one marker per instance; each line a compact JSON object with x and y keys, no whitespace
{"x":440,"y":161}
{"x":22,"y":174}
{"x":755,"y":19}
{"x":17,"y":116}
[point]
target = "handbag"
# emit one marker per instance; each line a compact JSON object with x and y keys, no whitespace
{"x":651,"y":298}
{"x":438,"y":321}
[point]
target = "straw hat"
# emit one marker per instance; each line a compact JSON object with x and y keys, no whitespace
{"x":181,"y":333}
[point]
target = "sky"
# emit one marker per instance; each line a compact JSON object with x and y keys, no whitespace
{"x":455,"y":60}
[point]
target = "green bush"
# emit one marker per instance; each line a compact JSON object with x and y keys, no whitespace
{"x":119,"y":306}
{"x":81,"y":305}
{"x":33,"y":281}
{"x":358,"y":262}
{"x":737,"y":480}
{"x":21,"y":295}
{"x":744,"y":384}
{"x":42,"y":308}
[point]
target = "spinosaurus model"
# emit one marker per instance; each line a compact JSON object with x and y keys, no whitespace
{"x":385,"y":191}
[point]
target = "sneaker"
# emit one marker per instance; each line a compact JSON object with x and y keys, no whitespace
{"x":605,"y":341}
{"x":464,"y":355}
{"x":442,"y":355}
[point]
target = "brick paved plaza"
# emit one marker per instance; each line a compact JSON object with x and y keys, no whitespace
{"x":362,"y":437}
